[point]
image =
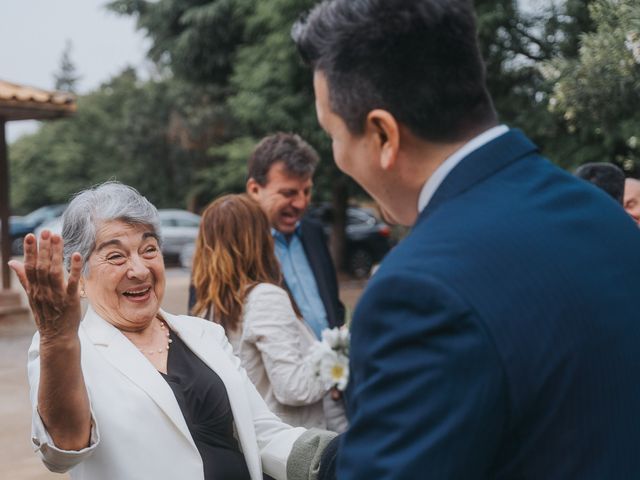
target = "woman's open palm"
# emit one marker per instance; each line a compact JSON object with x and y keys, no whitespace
{"x":54,"y":301}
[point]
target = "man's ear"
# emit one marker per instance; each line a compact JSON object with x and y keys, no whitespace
{"x":253,"y":187}
{"x":385,"y":131}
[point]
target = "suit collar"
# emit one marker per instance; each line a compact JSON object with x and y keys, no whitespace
{"x":123,"y":355}
{"x":480,"y":164}
{"x":437,"y":177}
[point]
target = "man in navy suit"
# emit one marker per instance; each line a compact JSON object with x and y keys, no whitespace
{"x":500,"y":339}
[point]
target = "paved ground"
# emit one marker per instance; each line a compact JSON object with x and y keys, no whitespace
{"x":17,"y":460}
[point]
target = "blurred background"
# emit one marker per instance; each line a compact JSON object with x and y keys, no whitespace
{"x":172,"y":95}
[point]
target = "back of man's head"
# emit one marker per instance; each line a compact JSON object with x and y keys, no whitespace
{"x":299,"y":158}
{"x":418,"y":60}
{"x":606,"y":176}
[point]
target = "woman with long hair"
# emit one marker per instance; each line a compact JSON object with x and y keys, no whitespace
{"x":239,"y":285}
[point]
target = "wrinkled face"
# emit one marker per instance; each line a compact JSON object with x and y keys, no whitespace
{"x":125,"y":280}
{"x":632,"y":198}
{"x":284,"y":198}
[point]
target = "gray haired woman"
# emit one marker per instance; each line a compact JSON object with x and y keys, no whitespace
{"x":133,"y":391}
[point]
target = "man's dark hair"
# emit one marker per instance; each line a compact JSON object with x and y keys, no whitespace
{"x":418,"y":60}
{"x":606,"y":176}
{"x":299,"y":158}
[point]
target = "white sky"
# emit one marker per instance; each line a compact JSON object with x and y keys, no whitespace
{"x":33,"y":34}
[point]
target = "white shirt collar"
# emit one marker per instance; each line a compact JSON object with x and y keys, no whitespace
{"x":434,"y":181}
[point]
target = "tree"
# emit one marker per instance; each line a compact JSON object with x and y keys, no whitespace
{"x":195,"y":39}
{"x":66,"y":78}
{"x":126,"y":130}
{"x":272,"y":91}
{"x":597,"y":92}
{"x":515,"y":43}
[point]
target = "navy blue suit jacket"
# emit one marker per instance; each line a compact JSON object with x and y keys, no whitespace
{"x":501,"y":338}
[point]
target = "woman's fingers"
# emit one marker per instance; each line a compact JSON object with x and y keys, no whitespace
{"x":30,"y":257}
{"x":18,"y":268}
{"x":44,"y":259}
{"x":56,"y":272}
{"x":74,"y":274}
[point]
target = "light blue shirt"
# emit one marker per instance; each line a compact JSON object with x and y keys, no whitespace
{"x":300,"y":280}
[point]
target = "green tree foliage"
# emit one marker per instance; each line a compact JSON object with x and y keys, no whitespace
{"x":515,"y":42}
{"x":229,"y":74}
{"x":195,"y":39}
{"x":126,"y":130}
{"x":598,"y":92}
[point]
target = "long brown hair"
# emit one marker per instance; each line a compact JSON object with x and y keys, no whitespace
{"x":234,"y":252}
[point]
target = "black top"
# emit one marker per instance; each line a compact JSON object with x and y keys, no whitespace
{"x":205,"y":406}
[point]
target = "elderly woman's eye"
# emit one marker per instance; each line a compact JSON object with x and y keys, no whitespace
{"x":151,"y":250}
{"x":115,"y":258}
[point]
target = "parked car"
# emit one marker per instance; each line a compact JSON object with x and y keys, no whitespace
{"x":367,"y":238}
{"x":186,"y":255}
{"x":179,"y":229}
{"x":19,"y":226}
{"x":54,"y":226}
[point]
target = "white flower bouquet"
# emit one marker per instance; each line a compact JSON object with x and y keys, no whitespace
{"x":330,"y":358}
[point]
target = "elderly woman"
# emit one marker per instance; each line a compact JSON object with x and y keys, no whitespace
{"x":134,"y":391}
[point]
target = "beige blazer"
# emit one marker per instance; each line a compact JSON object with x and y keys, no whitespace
{"x":273,"y":346}
{"x":138,"y":429}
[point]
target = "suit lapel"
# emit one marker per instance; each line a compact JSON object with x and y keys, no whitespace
{"x":124,"y":356}
{"x":307,"y":238}
{"x":480,"y":164}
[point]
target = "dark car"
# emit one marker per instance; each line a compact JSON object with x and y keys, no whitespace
{"x":19,"y":227}
{"x":367,"y":238}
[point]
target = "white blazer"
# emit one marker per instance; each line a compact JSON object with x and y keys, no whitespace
{"x":273,"y":346}
{"x":138,"y":430}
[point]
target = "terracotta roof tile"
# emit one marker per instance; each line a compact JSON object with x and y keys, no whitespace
{"x":11,"y":91}
{"x":20,"y":102}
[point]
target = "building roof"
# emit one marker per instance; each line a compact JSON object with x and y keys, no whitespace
{"x":21,"y":102}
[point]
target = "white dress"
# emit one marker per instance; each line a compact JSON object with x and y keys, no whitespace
{"x":272,"y":346}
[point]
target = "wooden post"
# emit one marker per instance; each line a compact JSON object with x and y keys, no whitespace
{"x":5,"y":240}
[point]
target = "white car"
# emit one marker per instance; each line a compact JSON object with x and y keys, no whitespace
{"x":179,"y":228}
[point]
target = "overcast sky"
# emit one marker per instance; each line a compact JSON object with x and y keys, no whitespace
{"x":33,"y":34}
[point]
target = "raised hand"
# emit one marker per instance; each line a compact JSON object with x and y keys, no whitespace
{"x":63,"y":403}
{"x":55,"y":303}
